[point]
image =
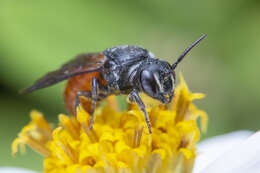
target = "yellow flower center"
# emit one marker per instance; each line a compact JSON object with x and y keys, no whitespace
{"x":119,"y":141}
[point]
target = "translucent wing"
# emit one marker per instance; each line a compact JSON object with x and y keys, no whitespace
{"x":84,"y":63}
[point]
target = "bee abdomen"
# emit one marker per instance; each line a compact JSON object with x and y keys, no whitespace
{"x":79,"y":83}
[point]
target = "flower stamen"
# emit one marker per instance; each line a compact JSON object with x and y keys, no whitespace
{"x":137,"y":136}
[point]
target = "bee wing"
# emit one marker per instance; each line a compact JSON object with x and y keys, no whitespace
{"x":84,"y":63}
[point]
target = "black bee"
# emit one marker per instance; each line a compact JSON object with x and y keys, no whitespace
{"x":118,"y":70}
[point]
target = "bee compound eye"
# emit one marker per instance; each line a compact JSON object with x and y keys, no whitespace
{"x":148,"y":82}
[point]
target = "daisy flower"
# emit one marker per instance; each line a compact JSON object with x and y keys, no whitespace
{"x":119,"y":141}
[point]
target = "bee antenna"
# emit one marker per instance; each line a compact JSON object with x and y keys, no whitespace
{"x":187,"y":51}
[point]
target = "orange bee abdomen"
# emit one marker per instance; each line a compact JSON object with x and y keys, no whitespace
{"x":80,"y":83}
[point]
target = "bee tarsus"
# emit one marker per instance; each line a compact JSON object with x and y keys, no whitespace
{"x":134,"y":97}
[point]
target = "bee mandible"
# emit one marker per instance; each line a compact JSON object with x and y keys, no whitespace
{"x":126,"y":70}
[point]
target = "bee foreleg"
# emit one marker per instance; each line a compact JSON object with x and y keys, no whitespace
{"x":134,"y":96}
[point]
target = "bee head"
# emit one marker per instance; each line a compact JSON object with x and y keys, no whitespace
{"x":157,"y":81}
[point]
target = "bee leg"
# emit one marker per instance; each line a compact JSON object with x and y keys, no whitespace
{"x":134,"y":97}
{"x":94,"y":91}
{"x":93,"y":95}
{"x":77,"y":101}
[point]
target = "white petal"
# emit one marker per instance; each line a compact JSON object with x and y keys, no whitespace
{"x":14,"y":170}
{"x":212,"y":148}
{"x":241,"y":158}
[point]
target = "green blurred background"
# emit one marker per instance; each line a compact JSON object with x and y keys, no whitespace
{"x":39,"y":36}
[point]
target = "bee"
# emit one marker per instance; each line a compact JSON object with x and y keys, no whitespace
{"x":126,"y":70}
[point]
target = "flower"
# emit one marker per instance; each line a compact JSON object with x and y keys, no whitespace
{"x":215,"y":151}
{"x":215,"y":147}
{"x":119,"y":141}
{"x":6,"y":169}
{"x":235,"y":152}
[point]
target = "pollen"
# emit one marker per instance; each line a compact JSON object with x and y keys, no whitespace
{"x":119,"y":141}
